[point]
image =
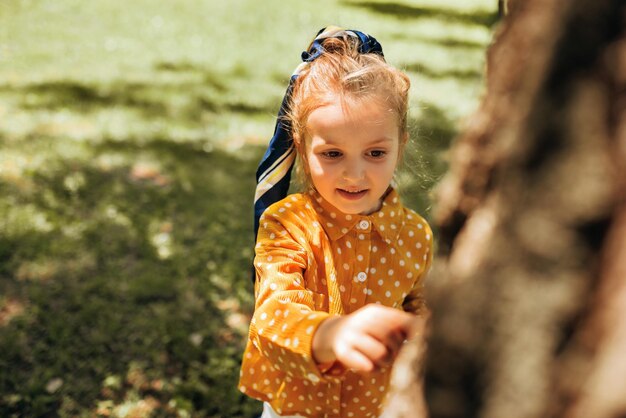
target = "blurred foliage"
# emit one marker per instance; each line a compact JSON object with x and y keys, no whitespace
{"x":129,"y":137}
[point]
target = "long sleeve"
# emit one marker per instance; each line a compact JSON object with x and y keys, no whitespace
{"x":286,"y":314}
{"x":312,"y":262}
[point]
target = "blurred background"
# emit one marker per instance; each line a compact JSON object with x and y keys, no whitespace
{"x":129,"y":138}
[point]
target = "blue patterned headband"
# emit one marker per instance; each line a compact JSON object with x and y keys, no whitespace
{"x":274,"y":172}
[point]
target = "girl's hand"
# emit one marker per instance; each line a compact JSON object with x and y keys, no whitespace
{"x":366,"y":339}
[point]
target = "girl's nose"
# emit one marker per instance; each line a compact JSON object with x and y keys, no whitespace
{"x":353,"y":171}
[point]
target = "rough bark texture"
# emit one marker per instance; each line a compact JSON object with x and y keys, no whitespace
{"x":529,"y":287}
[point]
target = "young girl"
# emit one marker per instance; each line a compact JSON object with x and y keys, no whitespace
{"x":339,"y":268}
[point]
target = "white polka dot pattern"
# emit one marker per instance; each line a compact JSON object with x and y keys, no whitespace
{"x":312,"y":262}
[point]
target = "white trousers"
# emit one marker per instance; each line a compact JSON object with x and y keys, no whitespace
{"x":268,"y":412}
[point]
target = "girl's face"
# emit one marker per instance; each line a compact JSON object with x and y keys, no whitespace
{"x":351,"y":153}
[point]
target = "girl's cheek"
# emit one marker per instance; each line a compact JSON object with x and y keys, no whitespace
{"x":315,"y":165}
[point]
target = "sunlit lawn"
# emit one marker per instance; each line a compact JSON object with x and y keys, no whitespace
{"x":129,"y":136}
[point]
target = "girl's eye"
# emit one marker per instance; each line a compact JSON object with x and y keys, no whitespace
{"x":331,"y":154}
{"x":377,"y":153}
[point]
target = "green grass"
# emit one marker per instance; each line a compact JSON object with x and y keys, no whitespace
{"x":129,"y":135}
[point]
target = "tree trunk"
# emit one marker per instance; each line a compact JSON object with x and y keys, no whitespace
{"x":529,"y":287}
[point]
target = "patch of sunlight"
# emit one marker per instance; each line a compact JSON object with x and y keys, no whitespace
{"x":437,"y":29}
{"x":116,"y":216}
{"x":211,"y":265}
{"x":12,"y":168}
{"x":19,"y":220}
{"x":135,"y":402}
{"x":74,"y":182}
{"x":74,"y":230}
{"x":232,"y":132}
{"x":112,"y":381}
{"x":63,"y":122}
{"x":238,"y":322}
{"x":107,"y":161}
{"x":220,"y":282}
{"x":16,"y":124}
{"x":9,"y":309}
{"x":13,"y":164}
{"x":4,"y":109}
{"x":149,"y":171}
{"x":161,"y":238}
{"x":235,"y":319}
{"x":37,"y":271}
{"x":129,"y":408}
{"x":20,"y":123}
{"x":54,"y":384}
{"x":47,"y":268}
{"x":121,"y":125}
{"x":456,"y":106}
{"x":72,"y":150}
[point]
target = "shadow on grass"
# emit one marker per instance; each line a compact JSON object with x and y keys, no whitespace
{"x":176,"y":100}
{"x":209,"y":77}
{"x":138,"y":287}
{"x":445,"y":42}
{"x":84,"y":98}
{"x":459,"y":43}
{"x":424,"y":70}
{"x":403,"y":11}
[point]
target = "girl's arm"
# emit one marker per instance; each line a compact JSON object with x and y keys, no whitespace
{"x":285,"y":317}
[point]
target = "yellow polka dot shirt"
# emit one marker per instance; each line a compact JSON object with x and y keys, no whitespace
{"x":313,"y":262}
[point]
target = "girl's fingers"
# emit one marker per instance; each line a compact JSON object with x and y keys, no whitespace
{"x":388,"y":321}
{"x":354,"y":359}
{"x":372,"y":336}
{"x":378,"y":352}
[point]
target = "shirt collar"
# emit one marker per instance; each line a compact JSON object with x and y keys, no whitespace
{"x":387,"y":221}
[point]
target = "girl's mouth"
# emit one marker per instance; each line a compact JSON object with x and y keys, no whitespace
{"x":352,"y":195}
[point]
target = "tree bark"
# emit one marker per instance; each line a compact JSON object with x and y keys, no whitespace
{"x":529,"y":287}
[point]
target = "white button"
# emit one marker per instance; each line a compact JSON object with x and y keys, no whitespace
{"x":361,"y":276}
{"x":364,"y":224}
{"x":313,"y":378}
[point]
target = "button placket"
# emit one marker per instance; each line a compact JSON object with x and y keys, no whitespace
{"x":362,"y":275}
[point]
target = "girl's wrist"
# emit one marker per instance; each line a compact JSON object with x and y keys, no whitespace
{"x":322,"y":343}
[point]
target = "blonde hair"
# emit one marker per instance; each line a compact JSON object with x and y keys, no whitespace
{"x":344,"y":73}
